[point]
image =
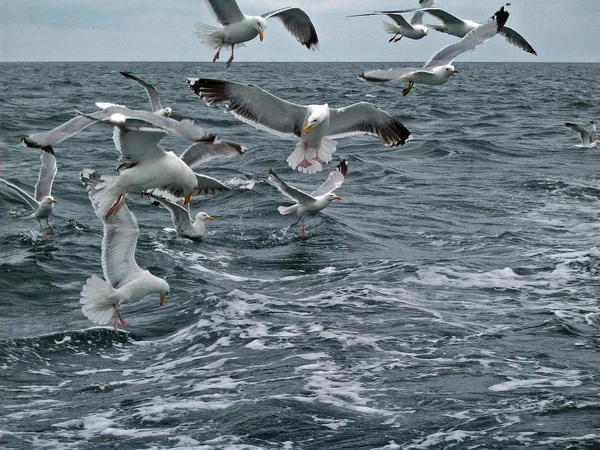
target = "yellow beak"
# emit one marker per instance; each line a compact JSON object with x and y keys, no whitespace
{"x":54,"y":201}
{"x":456,"y":71}
{"x":186,"y":200}
{"x":162,"y":300}
{"x":261,"y":35}
{"x":337,"y":197}
{"x":169,"y":113}
{"x":210,"y":218}
{"x":307,"y":128}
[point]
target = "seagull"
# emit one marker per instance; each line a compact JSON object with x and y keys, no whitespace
{"x":152,"y":95}
{"x":460,"y":28}
{"x":313,"y":202}
{"x":124,"y":281}
{"x":42,"y":201}
{"x":413,"y":30}
{"x":183,"y":223}
{"x":314,"y":125}
{"x":238,"y":28}
{"x":438,"y":69}
{"x":146,"y":166}
{"x":585,"y":134}
{"x":185,"y":129}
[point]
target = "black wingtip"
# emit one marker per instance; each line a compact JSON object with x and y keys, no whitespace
{"x":501,"y":17}
{"x":29,"y":143}
{"x":48,"y":149}
{"x":343,"y":167}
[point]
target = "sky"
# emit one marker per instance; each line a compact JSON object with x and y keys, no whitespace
{"x":162,"y":30}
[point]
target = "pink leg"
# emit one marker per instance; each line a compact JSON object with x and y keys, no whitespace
{"x":305,"y":163}
{"x":303,"y":232}
{"x":230,"y":60}
{"x":44,"y":235}
{"x":116,"y":207}
{"x":217,"y":54}
{"x":50,"y":226}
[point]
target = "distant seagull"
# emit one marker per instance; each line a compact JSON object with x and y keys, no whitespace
{"x":401,"y":28}
{"x":460,"y":28}
{"x":146,"y":166}
{"x":124,"y":281}
{"x":183,"y":223}
{"x":238,"y":28}
{"x":42,"y":201}
{"x":438,"y":69}
{"x":586,"y":135}
{"x":313,"y":202}
{"x":152,"y":95}
{"x":314,"y":125}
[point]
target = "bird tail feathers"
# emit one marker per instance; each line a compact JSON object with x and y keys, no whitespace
{"x":207,"y":35}
{"x":103,"y":192}
{"x":311,"y":159}
{"x":283,"y":210}
{"x":95,"y":301}
{"x":390,"y":28}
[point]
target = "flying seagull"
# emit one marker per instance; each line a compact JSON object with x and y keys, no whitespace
{"x":124,"y":281}
{"x":438,"y":69}
{"x":460,"y":28}
{"x":182,"y":221}
{"x":314,"y":125}
{"x":313,"y":202}
{"x":401,"y":28}
{"x":238,"y":28}
{"x":152,"y":95}
{"x":585,"y":134}
{"x":42,"y":201}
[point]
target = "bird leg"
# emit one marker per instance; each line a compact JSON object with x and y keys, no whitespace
{"x":44,"y":235}
{"x":406,"y":90}
{"x":396,"y":40}
{"x":393,"y":37}
{"x":118,"y":318}
{"x":217,"y":54}
{"x":305,"y":163}
{"x":50,"y":226}
{"x":116,"y":206}
{"x":230,"y":60}
{"x":303,"y":232}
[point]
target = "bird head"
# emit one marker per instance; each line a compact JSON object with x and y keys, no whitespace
{"x":314,"y":119}
{"x":49,"y":200}
{"x":203,"y":216}
{"x":163,"y":290}
{"x":260,"y":24}
{"x":168,"y":111}
{"x":332,"y":196}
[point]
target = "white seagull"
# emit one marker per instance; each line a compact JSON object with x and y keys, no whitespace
{"x":42,"y":201}
{"x":238,"y":28}
{"x":585,"y":134}
{"x":146,"y":166}
{"x":401,"y":28}
{"x":153,"y":95}
{"x":314,"y":125}
{"x":438,"y":69}
{"x":124,"y":281}
{"x":182,"y":221}
{"x":313,"y":202}
{"x":460,"y":28}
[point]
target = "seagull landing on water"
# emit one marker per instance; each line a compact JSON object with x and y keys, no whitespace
{"x":238,"y":28}
{"x":42,"y":201}
{"x":313,"y":202}
{"x":438,"y":69}
{"x":182,"y":221}
{"x":585,"y":134}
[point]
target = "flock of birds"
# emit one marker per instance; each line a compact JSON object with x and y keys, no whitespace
{"x":170,"y":180}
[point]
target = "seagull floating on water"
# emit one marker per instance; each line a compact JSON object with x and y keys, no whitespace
{"x":124,"y":281}
{"x":438,"y":69}
{"x":42,"y":201}
{"x":585,"y":134}
{"x":182,"y":221}
{"x":313,"y":202}
{"x":314,"y":125}
{"x":238,"y":28}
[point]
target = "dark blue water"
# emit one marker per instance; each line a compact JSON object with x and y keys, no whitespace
{"x":450,"y":300}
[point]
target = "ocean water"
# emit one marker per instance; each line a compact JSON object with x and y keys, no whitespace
{"x":450,"y":300}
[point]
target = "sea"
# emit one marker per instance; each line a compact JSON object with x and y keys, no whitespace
{"x":450,"y":300}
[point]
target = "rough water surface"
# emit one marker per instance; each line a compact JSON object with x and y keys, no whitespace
{"x":450,"y":300}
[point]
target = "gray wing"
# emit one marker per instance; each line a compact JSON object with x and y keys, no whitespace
{"x":334,"y":180}
{"x":398,"y":18}
{"x":180,"y":215}
{"x":394,"y":74}
{"x":581,"y":131}
{"x":43,"y":187}
{"x":138,"y":144}
{"x":592,"y":130}
{"x":296,"y":195}
{"x":445,"y":17}
{"x":417,"y":18}
{"x":471,"y":41}
{"x":202,"y":152}
{"x":58,"y":134}
{"x":299,"y":24}
{"x":225,"y":11}
{"x":24,"y":195}
{"x":366,"y":118}
{"x":150,"y":90}
{"x":516,"y":39}
{"x":209,"y":186}
{"x":252,"y":105}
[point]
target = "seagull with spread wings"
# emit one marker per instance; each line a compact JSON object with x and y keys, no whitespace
{"x":182,"y":221}
{"x":124,"y":281}
{"x":314,"y":125}
{"x":401,"y":28}
{"x":438,"y":69}
{"x":153,"y":95}
{"x":585,"y":134}
{"x":42,"y":201}
{"x":237,"y":28}
{"x":313,"y":202}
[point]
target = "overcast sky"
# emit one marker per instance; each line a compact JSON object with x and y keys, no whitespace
{"x":162,"y":30}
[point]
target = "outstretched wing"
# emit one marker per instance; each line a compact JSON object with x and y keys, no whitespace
{"x":471,"y":41}
{"x":202,"y":152}
{"x":299,"y":24}
{"x":334,"y":180}
{"x":225,"y":11}
{"x":138,"y":144}
{"x":58,"y":134}
{"x":150,"y":90}
{"x":180,"y":215}
{"x":252,"y":105}
{"x":296,"y":195}
{"x":393,"y":74}
{"x":43,"y":187}
{"x":516,"y":39}
{"x":584,"y":135}
{"x":366,"y":118}
{"x":20,"y":192}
